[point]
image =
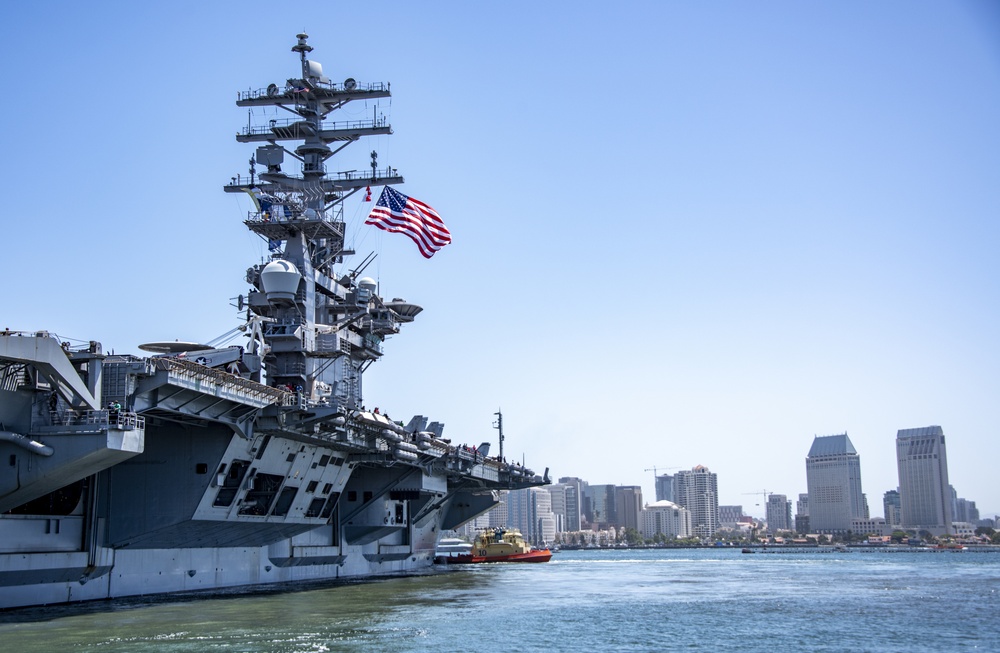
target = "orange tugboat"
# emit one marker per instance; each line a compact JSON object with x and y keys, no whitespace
{"x":499,"y":545}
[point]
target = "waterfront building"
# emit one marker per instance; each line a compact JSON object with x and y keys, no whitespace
{"x":891,"y":506}
{"x":574,"y":501}
{"x":833,"y":478}
{"x":530,"y":511}
{"x":664,"y":487}
{"x":924,"y":493}
{"x":730,"y":516}
{"x":544,"y":532}
{"x":469,"y":529}
{"x":802,"y":514}
{"x":498,"y":514}
{"x":779,"y":513}
{"x":877,"y":526}
{"x":697,"y":490}
{"x":965,"y":511}
{"x":666,"y":518}
{"x":518,"y":511}
{"x":628,"y":506}
{"x":602,"y":506}
{"x":558,"y":492}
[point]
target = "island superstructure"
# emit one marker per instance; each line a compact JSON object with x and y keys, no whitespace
{"x":200,"y":468}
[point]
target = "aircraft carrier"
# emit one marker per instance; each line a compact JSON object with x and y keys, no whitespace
{"x":199,"y":468}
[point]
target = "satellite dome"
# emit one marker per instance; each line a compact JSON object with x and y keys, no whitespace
{"x":367,"y":283}
{"x":404,"y":309}
{"x":279,"y":280}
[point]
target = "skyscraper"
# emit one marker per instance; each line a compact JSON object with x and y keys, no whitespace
{"x":891,"y":506}
{"x":574,"y":501}
{"x":628,"y":506}
{"x":965,"y":511}
{"x":833,"y":478}
{"x":603,"y":511}
{"x":530,"y":511}
{"x":664,"y":487}
{"x":558,"y":492}
{"x":697,"y":490}
{"x":924,"y":494}
{"x":802,"y":514}
{"x":779,"y":513}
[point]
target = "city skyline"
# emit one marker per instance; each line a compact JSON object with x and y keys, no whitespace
{"x":573,"y":511}
{"x":869,"y":497}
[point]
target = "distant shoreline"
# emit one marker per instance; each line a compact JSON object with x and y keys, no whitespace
{"x":880,"y":548}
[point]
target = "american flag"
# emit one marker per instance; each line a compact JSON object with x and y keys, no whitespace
{"x":397,"y":213}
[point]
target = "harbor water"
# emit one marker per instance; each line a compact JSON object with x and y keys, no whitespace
{"x":622,"y":600}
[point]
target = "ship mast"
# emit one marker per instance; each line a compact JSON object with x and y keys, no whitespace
{"x":320,"y":331}
{"x":498,"y":425}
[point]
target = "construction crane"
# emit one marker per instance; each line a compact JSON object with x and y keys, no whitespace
{"x":765,"y":493}
{"x":654,"y":468}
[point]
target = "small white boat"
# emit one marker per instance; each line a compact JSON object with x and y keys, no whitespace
{"x":451,"y":547}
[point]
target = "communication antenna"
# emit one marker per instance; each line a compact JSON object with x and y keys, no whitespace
{"x":498,"y":424}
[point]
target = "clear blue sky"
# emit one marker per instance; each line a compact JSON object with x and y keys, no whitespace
{"x":684,"y":233}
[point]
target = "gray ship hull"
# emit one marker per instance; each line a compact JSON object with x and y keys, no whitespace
{"x":64,"y":577}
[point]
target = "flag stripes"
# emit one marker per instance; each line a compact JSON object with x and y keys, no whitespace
{"x":398,"y":213}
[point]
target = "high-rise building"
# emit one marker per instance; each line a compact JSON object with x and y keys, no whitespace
{"x":472,"y":527}
{"x":833,"y":478}
{"x":544,"y":529}
{"x":602,"y":506}
{"x":730,"y":516}
{"x":558,"y":492}
{"x":697,"y":490}
{"x":530,"y":511}
{"x":574,"y":503}
{"x":802,"y":514}
{"x":779,"y":513}
{"x":891,"y":506}
{"x":666,"y":518}
{"x":664,"y":487}
{"x":628,"y":506}
{"x":498,"y":514}
{"x":965,"y":511}
{"x":924,"y":494}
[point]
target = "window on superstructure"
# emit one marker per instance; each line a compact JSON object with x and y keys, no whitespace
{"x":331,"y":504}
{"x":231,"y":483}
{"x":284,"y":501}
{"x":315,"y":507}
{"x":261,"y":495}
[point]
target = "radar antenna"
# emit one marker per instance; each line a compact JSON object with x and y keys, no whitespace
{"x":498,"y":425}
